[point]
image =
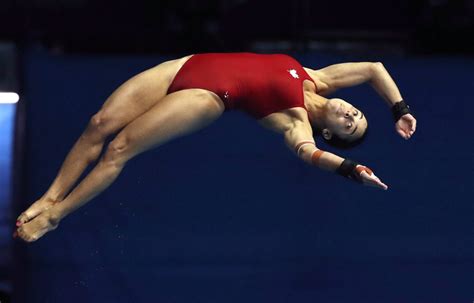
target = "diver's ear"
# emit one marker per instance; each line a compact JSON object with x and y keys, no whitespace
{"x":327,"y":134}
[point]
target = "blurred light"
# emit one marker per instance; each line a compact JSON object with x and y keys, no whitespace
{"x":9,"y":98}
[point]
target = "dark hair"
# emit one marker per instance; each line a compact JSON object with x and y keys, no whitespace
{"x":337,"y":142}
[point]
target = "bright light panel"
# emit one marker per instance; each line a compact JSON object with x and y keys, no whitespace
{"x":9,"y":97}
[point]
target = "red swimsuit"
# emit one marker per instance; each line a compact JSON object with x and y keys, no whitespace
{"x":256,"y":84}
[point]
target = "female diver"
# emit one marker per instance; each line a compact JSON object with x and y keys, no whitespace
{"x":178,"y":97}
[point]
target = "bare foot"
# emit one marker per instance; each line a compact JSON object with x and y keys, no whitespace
{"x":37,"y":227}
{"x":34,"y":210}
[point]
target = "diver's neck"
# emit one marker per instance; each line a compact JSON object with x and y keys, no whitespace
{"x":315,"y":105}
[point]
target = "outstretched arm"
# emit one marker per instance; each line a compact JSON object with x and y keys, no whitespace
{"x":342,"y":75}
{"x":334,"y":77}
{"x":306,"y":149}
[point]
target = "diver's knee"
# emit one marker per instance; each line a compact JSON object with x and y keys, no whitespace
{"x":99,"y":125}
{"x":96,"y":123}
{"x":117,"y":151}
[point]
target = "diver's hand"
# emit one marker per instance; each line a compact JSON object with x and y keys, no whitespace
{"x":367,"y":177}
{"x":37,"y":227}
{"x":406,"y":126}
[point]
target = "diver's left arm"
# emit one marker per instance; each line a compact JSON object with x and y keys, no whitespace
{"x":334,"y":77}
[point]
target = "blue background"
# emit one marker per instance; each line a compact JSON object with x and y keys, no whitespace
{"x":228,"y":214}
{"x":7,"y":117}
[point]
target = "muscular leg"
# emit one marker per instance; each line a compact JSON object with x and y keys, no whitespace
{"x":177,"y":114}
{"x":129,"y":101}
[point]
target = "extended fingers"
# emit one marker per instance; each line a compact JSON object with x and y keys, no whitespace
{"x":373,"y":180}
{"x":380,"y":183}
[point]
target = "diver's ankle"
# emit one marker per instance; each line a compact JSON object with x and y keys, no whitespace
{"x":51,"y":198}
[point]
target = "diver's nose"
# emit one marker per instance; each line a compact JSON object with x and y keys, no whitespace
{"x":349,"y":114}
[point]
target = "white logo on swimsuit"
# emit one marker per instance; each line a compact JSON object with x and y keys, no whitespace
{"x":226,"y":94}
{"x":293,"y":73}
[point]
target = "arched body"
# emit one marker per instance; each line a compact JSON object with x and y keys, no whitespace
{"x":159,"y":105}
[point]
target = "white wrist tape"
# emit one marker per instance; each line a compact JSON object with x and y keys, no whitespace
{"x":301,"y":144}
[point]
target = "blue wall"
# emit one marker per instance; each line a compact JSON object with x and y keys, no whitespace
{"x":243,"y":220}
{"x":7,"y":118}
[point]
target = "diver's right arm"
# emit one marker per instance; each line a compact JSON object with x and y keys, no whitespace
{"x":305,"y":148}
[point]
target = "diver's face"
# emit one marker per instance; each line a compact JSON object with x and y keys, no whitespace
{"x":344,"y":120}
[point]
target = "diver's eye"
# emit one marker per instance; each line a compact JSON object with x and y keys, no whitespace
{"x":346,"y":115}
{"x":356,"y":113}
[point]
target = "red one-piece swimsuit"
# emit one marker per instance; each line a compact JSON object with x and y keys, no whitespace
{"x":254,"y":83}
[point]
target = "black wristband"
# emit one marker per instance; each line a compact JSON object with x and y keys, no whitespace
{"x":399,"y":109}
{"x":348,"y":169}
